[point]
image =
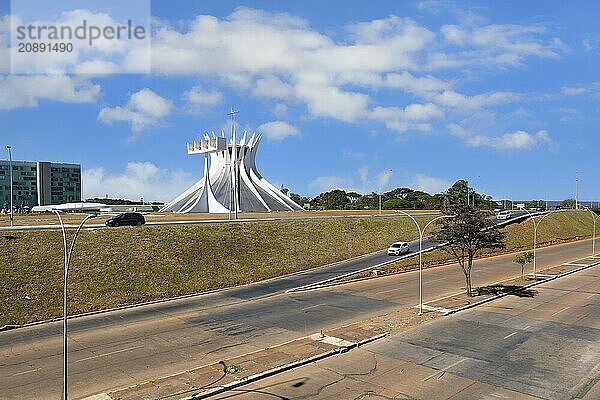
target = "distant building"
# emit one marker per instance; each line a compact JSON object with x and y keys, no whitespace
{"x":40,"y":183}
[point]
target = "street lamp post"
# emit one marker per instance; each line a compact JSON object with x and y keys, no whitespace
{"x":421,"y":232}
{"x":535,"y":228}
{"x":594,"y":217}
{"x":67,"y":262}
{"x":11,"y":183}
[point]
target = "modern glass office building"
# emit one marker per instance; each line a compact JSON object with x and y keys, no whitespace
{"x":40,"y":183}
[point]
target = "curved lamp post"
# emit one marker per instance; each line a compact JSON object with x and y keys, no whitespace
{"x":9,"y":148}
{"x":594,"y":218}
{"x":421,"y":232}
{"x":67,"y":262}
{"x":535,"y":228}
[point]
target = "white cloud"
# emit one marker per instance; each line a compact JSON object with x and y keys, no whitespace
{"x":360,"y":182}
{"x":383,"y":178}
{"x":327,"y":183}
{"x":272,"y":86}
{"x":363,"y":175}
{"x":413,"y":116}
{"x":494,"y":45}
{"x":144,"y":109}
{"x":573,"y":91}
{"x":27,"y":90}
{"x":430,"y":184}
{"x":280,"y":110}
{"x":350,"y":154}
{"x":199,"y":99}
{"x":278,"y":130}
{"x":421,"y":86}
{"x":518,"y":140}
{"x":296,"y":63}
{"x":454,"y":100}
{"x":140,"y":179}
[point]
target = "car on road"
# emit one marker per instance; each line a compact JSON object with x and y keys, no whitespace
{"x":131,"y":219}
{"x":503,"y":215}
{"x":398,"y":248}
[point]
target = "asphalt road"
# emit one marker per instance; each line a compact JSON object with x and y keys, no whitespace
{"x":122,"y":348}
{"x":91,"y":225}
{"x":515,"y":215}
{"x":540,"y":347}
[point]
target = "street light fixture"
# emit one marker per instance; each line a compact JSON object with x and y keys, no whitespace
{"x":594,"y":218}
{"x":535,"y":228}
{"x":11,"y":183}
{"x":421,"y":232}
{"x":67,"y":262}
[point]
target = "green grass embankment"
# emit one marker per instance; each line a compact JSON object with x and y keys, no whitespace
{"x":553,"y":229}
{"x":114,"y":267}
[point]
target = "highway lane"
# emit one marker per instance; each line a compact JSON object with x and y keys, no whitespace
{"x":24,"y":228}
{"x":540,"y":347}
{"x":53,"y":227}
{"x":122,"y":348}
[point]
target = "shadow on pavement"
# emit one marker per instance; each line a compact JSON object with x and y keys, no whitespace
{"x":514,"y":290}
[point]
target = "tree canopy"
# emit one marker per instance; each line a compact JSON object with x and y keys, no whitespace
{"x":468,"y":232}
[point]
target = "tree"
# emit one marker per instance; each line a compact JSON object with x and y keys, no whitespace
{"x":466,"y":234}
{"x":522,"y":259}
{"x":300,"y":200}
{"x":568,"y":203}
{"x":396,"y":204}
{"x":333,"y":200}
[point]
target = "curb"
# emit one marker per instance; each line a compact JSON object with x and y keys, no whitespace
{"x":185,"y":296}
{"x":539,"y":282}
{"x":283,"y":368}
{"x":326,"y":282}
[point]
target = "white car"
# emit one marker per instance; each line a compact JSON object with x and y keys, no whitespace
{"x":398,"y":248}
{"x":503,"y":215}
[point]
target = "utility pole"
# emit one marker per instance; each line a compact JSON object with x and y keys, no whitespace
{"x":234,"y":175}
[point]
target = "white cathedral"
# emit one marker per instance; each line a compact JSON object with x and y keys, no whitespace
{"x":231,"y":181}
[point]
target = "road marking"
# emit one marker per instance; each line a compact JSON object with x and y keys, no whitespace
{"x":443,"y":370}
{"x":438,"y":309}
{"x":591,"y":295}
{"x":320,"y":337}
{"x":308,"y":308}
{"x":392,"y":290}
{"x":527,"y":327}
{"x":26,"y":372}
{"x":109,"y":354}
{"x":577,"y":265}
{"x":507,"y":336}
{"x":558,"y":312}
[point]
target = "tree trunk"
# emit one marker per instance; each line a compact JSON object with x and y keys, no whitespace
{"x":468,"y":283}
{"x":468,"y":275}
{"x":522,"y":267}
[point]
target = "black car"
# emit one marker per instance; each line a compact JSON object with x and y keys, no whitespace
{"x":132,"y":219}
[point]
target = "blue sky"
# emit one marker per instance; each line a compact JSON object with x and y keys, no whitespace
{"x":371,"y":95}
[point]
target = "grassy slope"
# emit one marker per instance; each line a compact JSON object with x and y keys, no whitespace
{"x":555,"y":228}
{"x":122,"y":266}
{"x":112,"y":267}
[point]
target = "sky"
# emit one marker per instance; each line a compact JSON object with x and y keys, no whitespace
{"x":364,"y":96}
